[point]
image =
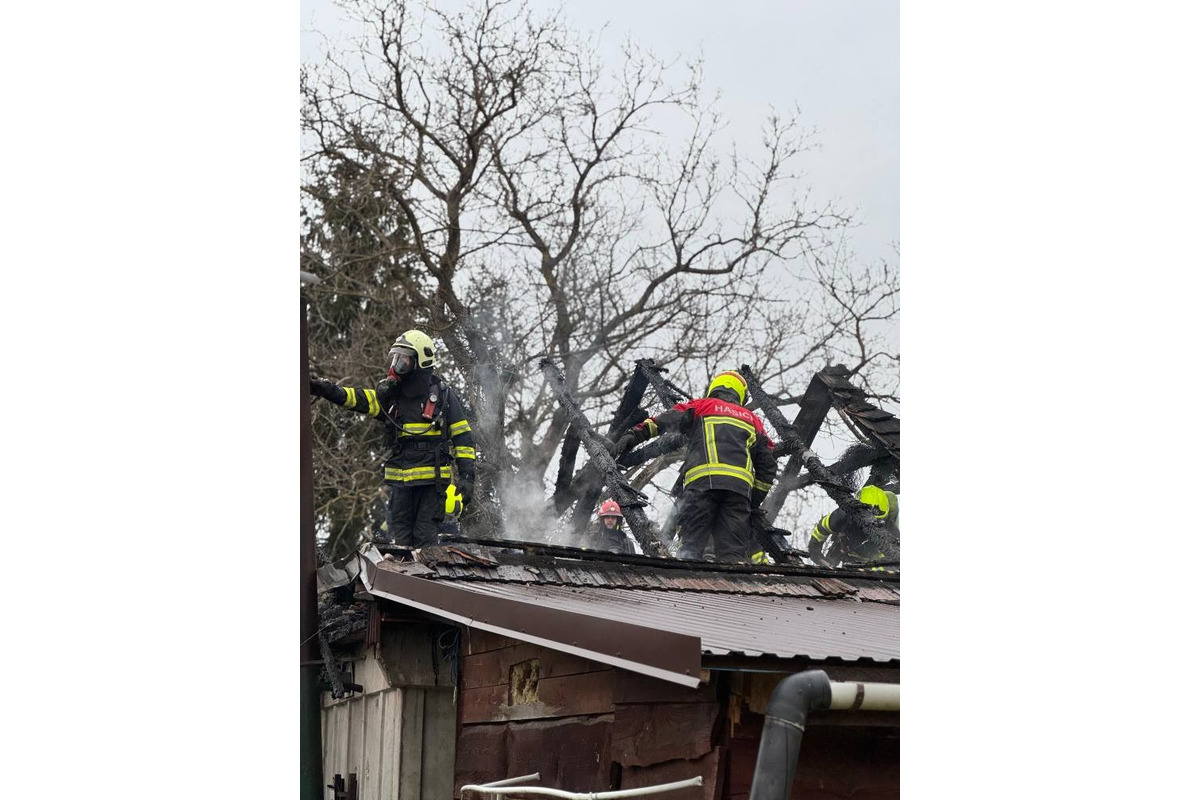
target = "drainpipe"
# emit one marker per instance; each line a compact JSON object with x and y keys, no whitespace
{"x":310,"y":654}
{"x":787,"y":713}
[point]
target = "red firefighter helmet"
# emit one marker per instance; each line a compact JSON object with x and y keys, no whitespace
{"x":609,"y":508}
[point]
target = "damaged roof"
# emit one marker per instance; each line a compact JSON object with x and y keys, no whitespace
{"x":475,"y":563}
{"x":655,"y":620}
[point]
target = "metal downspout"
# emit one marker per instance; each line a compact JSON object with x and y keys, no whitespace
{"x":787,"y":714}
{"x":310,"y":654}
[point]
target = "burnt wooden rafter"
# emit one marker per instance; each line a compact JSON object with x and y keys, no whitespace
{"x":632,"y":502}
{"x":831,"y":388}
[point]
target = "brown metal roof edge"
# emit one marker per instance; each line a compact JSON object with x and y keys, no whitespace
{"x":666,"y":655}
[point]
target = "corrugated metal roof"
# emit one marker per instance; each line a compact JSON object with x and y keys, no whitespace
{"x":730,"y":623}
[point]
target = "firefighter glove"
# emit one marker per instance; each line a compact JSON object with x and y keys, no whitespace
{"x":385,"y":386}
{"x":624,"y":445}
{"x":466,"y":487}
{"x":323,"y":388}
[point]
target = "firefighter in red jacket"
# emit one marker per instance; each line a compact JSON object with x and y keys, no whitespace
{"x":727,"y":472}
{"x":427,"y":428}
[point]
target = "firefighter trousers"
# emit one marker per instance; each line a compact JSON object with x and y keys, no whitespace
{"x":414,"y":513}
{"x":719,"y":514}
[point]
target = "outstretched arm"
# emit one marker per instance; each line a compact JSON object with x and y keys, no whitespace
{"x":822,"y":532}
{"x":364,"y":401}
{"x":678,"y":418}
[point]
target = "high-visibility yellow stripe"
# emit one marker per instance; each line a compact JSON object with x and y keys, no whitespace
{"x":652,"y":426}
{"x":816,"y":533}
{"x":464,"y":452}
{"x":710,"y":470}
{"x":413,"y":474}
{"x":351,"y":398}
{"x":461,"y":426}
{"x":372,"y":402}
{"x":710,"y":441}
{"x":420,"y":429}
{"x":746,"y":426}
{"x":710,"y":430}
{"x":764,"y":487}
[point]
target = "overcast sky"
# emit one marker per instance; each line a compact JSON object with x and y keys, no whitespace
{"x":838,"y":59}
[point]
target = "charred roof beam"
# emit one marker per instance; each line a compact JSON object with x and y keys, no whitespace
{"x":632,"y":501}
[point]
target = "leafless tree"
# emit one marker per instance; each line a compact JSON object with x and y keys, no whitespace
{"x":485,"y":175}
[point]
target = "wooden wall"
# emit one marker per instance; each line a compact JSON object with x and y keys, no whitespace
{"x":583,"y":725}
{"x":586,"y":726}
{"x":396,"y":736}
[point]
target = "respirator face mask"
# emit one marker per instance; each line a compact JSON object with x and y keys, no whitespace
{"x":404,"y":360}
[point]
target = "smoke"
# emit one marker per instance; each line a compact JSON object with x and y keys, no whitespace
{"x":528,"y":515}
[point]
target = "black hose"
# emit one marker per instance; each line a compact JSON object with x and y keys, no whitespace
{"x":779,"y":748}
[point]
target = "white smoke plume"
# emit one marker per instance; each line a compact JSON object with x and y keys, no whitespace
{"x":528,"y":514}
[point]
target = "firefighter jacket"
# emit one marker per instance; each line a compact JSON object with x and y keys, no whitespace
{"x":612,"y":540}
{"x":420,"y":448}
{"x":848,"y":538}
{"x":728,"y":448}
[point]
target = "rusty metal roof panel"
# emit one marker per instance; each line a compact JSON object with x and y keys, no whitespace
{"x":731,"y":623}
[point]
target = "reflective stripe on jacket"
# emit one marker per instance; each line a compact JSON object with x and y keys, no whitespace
{"x":728,"y":447}
{"x":851,"y":539}
{"x":415,"y":441}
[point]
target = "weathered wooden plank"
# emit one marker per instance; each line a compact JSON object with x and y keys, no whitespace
{"x":477,"y":641}
{"x":743,"y":755}
{"x":492,"y":667}
{"x":814,"y":406}
{"x":572,"y":755}
{"x":834,"y":763}
{"x":389,"y":765}
{"x":586,"y":693}
{"x":368,"y":779}
{"x":855,"y":719}
{"x":631,"y":687}
{"x":482,"y":704}
{"x":480,"y":756}
{"x":354,"y":738}
{"x":848,"y":763}
{"x":437,"y":745}
{"x":412,"y":733}
{"x":645,"y":734}
{"x":710,"y":767}
{"x":565,"y":696}
{"x":409,"y":655}
{"x":885,"y":426}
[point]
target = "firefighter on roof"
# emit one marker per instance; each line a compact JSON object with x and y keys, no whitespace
{"x":727,"y":472}
{"x":428,"y":430}
{"x":847,"y":542}
{"x":609,"y":531}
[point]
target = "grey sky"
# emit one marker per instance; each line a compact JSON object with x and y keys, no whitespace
{"x":838,"y":59}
